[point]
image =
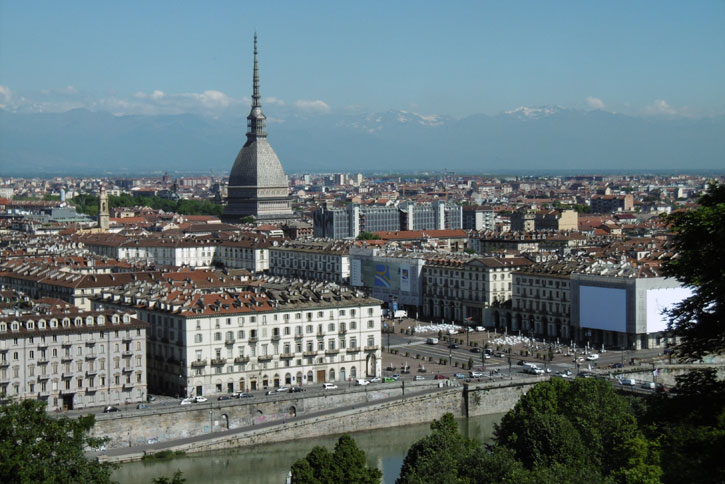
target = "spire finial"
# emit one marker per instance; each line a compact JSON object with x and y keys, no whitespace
{"x":256,"y":118}
{"x":255,"y":80}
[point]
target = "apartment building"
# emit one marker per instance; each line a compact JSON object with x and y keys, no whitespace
{"x":541,"y":301}
{"x":320,"y":260}
{"x":74,"y":360}
{"x":463,"y":289}
{"x":274,"y":335}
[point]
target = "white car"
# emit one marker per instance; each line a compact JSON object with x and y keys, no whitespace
{"x":362,"y":382}
{"x":187,"y":401}
{"x":419,"y":377}
{"x":480,"y":329}
{"x":329,"y":386}
{"x":376,"y":379}
{"x":476,"y":374}
{"x":282,"y":390}
{"x":200,"y":399}
{"x":592,"y":357}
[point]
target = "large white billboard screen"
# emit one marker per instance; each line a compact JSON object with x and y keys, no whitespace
{"x":659,"y":300}
{"x":603,"y":308}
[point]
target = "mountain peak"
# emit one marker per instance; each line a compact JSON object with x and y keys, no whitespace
{"x":534,"y":112}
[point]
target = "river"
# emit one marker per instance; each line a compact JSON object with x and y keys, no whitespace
{"x":269,"y":464}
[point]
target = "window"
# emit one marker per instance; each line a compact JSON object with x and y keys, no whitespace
{"x":217,"y":336}
{"x":371,"y":324}
{"x":353,"y":324}
{"x":198,"y":338}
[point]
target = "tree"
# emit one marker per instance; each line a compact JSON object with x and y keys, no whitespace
{"x":440,"y":457}
{"x":35,"y":447}
{"x":699,"y":263}
{"x":368,"y":236}
{"x":575,"y":424}
{"x":346,"y":464}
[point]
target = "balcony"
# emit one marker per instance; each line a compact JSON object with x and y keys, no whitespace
{"x":91,"y":372}
{"x":91,"y":356}
{"x":218,"y":361}
{"x":128,"y":386}
{"x":66,"y":344}
{"x":241,"y":360}
{"x":66,"y":358}
{"x":342,"y":331}
{"x":91,"y":389}
{"x":42,"y":344}
{"x":127,"y":369}
{"x":287,"y":356}
{"x":320,"y":334}
{"x":43,"y":361}
{"x":43,"y":377}
{"x":264,"y":358}
{"x":198,"y":363}
{"x":229,"y":341}
{"x":4,"y":364}
{"x":128,"y":339}
{"x":276,"y":337}
{"x":90,"y":342}
{"x":353,"y":350}
{"x":310,"y":353}
{"x":372,"y":348}
{"x":332,"y":352}
{"x":127,"y":354}
{"x":253,"y":340}
{"x":298,"y":336}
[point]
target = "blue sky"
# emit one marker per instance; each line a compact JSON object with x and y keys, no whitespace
{"x":433,"y":57}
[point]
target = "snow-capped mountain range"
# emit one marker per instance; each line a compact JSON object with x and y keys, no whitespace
{"x":520,"y":139}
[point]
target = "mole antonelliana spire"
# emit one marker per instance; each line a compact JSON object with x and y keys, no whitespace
{"x":258,"y":186}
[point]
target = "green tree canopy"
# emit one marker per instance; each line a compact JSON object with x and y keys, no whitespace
{"x":368,"y":236}
{"x":346,"y":464}
{"x":699,"y":263}
{"x":574,"y":424}
{"x":35,"y":447}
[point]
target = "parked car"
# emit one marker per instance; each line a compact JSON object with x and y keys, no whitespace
{"x":432,"y":341}
{"x":387,"y":379}
{"x":141,"y":406}
{"x":296,"y":389}
{"x":329,"y":386}
{"x":440,"y":377}
{"x":111,"y":409}
{"x":649,"y":385}
{"x":419,"y":377}
{"x":186,"y":401}
{"x":150,"y":398}
{"x":224,"y":397}
{"x":460,"y":376}
{"x":453,"y":346}
{"x":361,"y":382}
{"x":592,"y":357}
{"x":395,"y":377}
{"x":627,"y":382}
{"x":488,"y":351}
{"x":375,"y":379}
{"x":475,"y":349}
{"x":200,"y":399}
{"x":245,"y":395}
{"x":480,"y":329}
{"x":476,"y":374}
{"x":282,"y":390}
{"x":500,"y":354}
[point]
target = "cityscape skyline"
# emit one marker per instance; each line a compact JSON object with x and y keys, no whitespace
{"x":453,"y":61}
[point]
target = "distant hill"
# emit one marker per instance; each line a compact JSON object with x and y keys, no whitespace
{"x":524,"y":139}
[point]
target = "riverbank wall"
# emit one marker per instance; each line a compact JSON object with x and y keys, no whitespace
{"x":291,"y":423}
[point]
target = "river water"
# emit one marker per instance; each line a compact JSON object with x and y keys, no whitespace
{"x":269,"y":464}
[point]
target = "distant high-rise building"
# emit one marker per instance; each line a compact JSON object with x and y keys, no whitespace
{"x":258,"y":186}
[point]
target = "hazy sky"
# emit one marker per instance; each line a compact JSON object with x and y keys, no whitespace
{"x":444,"y":57}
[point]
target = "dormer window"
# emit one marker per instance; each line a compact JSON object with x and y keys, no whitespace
{"x":14,"y":326}
{"x":89,"y":321}
{"x":66,"y":322}
{"x":78,"y":321}
{"x":53,"y":323}
{"x":101,"y":320}
{"x":30,"y":325}
{"x":41,"y":324}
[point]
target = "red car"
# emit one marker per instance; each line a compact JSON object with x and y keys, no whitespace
{"x":440,"y":377}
